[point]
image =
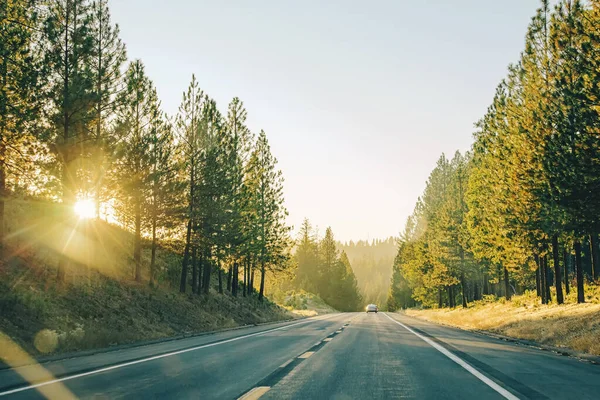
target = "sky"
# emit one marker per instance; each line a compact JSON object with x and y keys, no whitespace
{"x":358,"y":99}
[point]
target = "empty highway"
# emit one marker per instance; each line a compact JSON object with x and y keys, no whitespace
{"x":336,"y":356}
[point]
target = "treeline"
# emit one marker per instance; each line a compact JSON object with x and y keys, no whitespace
{"x":521,"y":209}
{"x":322,"y":269}
{"x":80,"y":122}
{"x":372,"y":264}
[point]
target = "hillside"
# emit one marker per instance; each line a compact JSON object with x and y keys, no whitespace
{"x":100,"y":304}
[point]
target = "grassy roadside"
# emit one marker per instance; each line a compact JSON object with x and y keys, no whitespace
{"x":303,"y":303}
{"x":571,"y":325}
{"x":100,"y":304}
{"x":46,"y":319}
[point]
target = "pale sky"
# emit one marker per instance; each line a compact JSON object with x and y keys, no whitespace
{"x":357,"y":98}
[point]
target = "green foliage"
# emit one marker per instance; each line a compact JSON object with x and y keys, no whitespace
{"x":323,"y":270}
{"x":372,"y":264}
{"x":529,"y":184}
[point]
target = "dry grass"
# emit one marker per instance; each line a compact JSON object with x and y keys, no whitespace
{"x":99,"y":304}
{"x":571,"y":325}
{"x":305,"y":304}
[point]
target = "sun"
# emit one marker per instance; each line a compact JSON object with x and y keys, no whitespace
{"x":85,"y":209}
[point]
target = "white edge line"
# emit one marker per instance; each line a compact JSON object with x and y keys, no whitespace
{"x":143,"y":360}
{"x":503,"y":392}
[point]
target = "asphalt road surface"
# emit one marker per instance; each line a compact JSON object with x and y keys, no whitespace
{"x":336,"y":356}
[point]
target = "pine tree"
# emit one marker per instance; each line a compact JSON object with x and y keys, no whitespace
{"x":351,"y":297}
{"x":19,"y":83}
{"x":105,"y":63}
{"x":68,"y":49}
{"x":188,"y":124}
{"x":570,"y":156}
{"x":134,"y":162}
{"x":238,"y":142}
{"x":306,"y":258}
{"x":210,"y":194}
{"x":164,"y":181}
{"x":272,"y":241}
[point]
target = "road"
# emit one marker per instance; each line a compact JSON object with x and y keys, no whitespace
{"x":336,"y":356}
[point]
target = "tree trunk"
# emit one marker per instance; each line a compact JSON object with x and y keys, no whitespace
{"x":538,"y":280}
{"x":251,"y":289}
{"x":579,"y":272}
{"x":200,"y":274}
{"x":188,"y":235}
{"x":137,"y":243}
{"x":3,"y":191}
{"x":566,"y":267}
{"x":450,"y":297}
{"x":464,"y":290}
{"x":207,"y":270}
{"x":234,"y":279}
{"x":220,"y":278}
{"x":153,"y":254}
{"x":3,"y":194}
{"x":594,"y":253}
{"x":194,"y":271}
{"x":262,"y":282}
{"x":229,"y":276}
{"x":476,"y":291}
{"x":547,"y":280}
{"x":186,"y":257}
{"x":543,"y":280}
{"x":440,"y":300}
{"x":507,"y":293}
{"x":486,"y":284}
{"x":557,"y":273}
{"x":245,"y":287}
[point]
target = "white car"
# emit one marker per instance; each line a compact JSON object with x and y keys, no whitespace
{"x":372,"y":308}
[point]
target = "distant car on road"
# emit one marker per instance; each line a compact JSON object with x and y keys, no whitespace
{"x":372,"y":308}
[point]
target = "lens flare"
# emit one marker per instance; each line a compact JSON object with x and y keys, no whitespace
{"x":85,"y":209}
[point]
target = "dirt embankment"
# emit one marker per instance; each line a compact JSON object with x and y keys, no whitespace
{"x":46,"y":319}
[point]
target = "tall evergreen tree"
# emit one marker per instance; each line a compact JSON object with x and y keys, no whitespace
{"x":188,"y":125}
{"x":164,"y":181}
{"x":134,"y":162}
{"x":238,"y":142}
{"x":272,"y":241}
{"x":68,"y":49}
{"x":306,"y":258}
{"x":19,"y":84}
{"x":105,"y":63}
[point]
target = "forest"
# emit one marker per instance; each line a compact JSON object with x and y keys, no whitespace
{"x":82,"y":129}
{"x":323,"y":269}
{"x":372,"y":264}
{"x":520,"y":210}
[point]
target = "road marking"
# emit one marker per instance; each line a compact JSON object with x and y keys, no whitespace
{"x":307,"y":354}
{"x":503,"y":392}
{"x":255,"y":393}
{"x":327,"y":339}
{"x":143,"y":360}
{"x":285,"y":364}
{"x":338,"y":331}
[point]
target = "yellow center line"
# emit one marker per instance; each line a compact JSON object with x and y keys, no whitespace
{"x":307,"y":354}
{"x":255,"y":393}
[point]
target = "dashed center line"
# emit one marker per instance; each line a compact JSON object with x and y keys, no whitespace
{"x":255,"y":393}
{"x":327,"y":339}
{"x":307,"y":354}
